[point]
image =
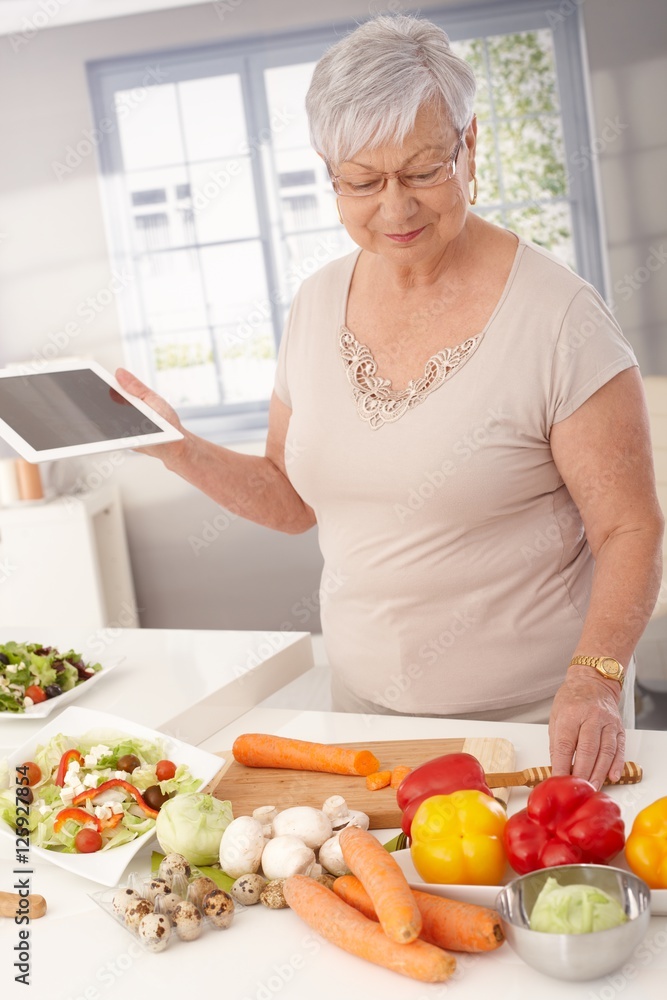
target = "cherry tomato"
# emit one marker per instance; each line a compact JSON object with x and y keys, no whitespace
{"x":165,"y":770}
{"x":87,"y":841}
{"x":31,"y":771}
{"x":35,"y":693}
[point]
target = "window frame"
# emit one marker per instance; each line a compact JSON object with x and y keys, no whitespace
{"x":251,"y":56}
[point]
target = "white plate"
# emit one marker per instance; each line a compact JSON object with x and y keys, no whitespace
{"x":44,"y":708}
{"x":485,"y":895}
{"x":107,"y":867}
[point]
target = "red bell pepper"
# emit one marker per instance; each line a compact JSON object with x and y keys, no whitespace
{"x":91,"y":793}
{"x":111,"y":822}
{"x":565,"y":822}
{"x":453,"y":772}
{"x":68,"y":756}
{"x":79,"y":815}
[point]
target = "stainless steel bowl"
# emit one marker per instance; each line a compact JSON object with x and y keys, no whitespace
{"x":575,"y":956}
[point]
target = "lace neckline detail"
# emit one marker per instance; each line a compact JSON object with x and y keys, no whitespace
{"x":377,"y":403}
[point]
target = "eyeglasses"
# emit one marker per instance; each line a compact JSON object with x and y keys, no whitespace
{"x":424,"y":176}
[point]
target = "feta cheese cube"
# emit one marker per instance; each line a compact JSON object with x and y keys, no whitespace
{"x":72,"y":779}
{"x":78,"y":789}
{"x":44,"y":810}
{"x":123,"y":775}
{"x":67,"y":794}
{"x":11,"y":668}
{"x":90,"y":781}
{"x":103,"y":812}
{"x":116,"y":807}
{"x":90,"y":760}
{"x":74,"y":766}
{"x":28,"y":702}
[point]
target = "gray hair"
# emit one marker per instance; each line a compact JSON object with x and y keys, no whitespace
{"x":366,"y":89}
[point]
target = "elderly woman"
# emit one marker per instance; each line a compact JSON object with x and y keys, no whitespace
{"x":465,"y":424}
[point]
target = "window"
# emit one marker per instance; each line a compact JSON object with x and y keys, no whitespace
{"x":218,"y":207}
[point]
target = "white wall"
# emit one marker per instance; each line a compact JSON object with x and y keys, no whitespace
{"x":53,"y":254}
{"x":627,"y":52}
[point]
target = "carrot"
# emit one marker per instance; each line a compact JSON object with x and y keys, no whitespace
{"x":398,"y":774}
{"x":377,"y":780}
{"x":446,"y":923}
{"x":345,"y":927}
{"x":263,"y":750}
{"x":384,"y":882}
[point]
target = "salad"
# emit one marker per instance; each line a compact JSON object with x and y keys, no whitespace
{"x":99,"y":791}
{"x":30,"y":673}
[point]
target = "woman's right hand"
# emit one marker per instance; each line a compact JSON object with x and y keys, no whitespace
{"x":172,"y":450}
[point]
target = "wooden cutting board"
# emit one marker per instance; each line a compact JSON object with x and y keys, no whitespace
{"x":250,"y":787}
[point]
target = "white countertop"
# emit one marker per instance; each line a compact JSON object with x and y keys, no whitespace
{"x":187,"y":683}
{"x":80,"y":952}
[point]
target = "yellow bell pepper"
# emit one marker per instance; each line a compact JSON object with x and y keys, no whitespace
{"x":458,"y":839}
{"x":646,"y":847}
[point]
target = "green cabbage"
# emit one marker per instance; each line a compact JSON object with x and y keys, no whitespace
{"x":574,"y":909}
{"x":193,"y":825}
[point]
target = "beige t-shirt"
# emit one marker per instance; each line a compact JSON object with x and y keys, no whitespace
{"x":456,"y":570}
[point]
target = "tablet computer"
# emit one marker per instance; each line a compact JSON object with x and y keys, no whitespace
{"x":74,"y":407}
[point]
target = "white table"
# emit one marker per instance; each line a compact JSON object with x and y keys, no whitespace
{"x":272,"y":954}
{"x":188,"y":683}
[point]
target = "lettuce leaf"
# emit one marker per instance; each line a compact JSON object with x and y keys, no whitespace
{"x":574,"y":909}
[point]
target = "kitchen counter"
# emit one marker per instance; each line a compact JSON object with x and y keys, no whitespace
{"x":188,"y":683}
{"x":80,"y":953}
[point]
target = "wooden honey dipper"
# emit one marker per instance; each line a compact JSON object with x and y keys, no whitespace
{"x":531,"y":776}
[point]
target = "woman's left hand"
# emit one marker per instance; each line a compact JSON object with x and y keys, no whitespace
{"x":585,"y":721}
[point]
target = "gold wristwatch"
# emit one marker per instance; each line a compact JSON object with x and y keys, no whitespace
{"x":607,"y":666}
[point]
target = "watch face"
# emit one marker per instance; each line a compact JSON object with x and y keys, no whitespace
{"x":610,"y":666}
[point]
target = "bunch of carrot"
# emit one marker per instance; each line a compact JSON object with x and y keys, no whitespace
{"x":413,"y":929}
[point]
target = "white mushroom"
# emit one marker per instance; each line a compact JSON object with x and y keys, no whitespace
{"x":265,"y":815}
{"x":310,"y":825}
{"x":284,"y":856}
{"x":336,"y":809}
{"x":340,"y":815}
{"x":331,"y":857}
{"x":241,"y":846}
{"x":356,"y":818}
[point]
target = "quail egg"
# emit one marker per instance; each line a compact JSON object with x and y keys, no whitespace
{"x":199,"y":887}
{"x":247,"y":889}
{"x":272,"y":894}
{"x":122,"y":899}
{"x":218,"y":906}
{"x":134,"y":914}
{"x":187,"y":920}
{"x":167,"y":903}
{"x":157,"y":887}
{"x":155,"y":931}
{"x":174,"y":864}
{"x":326,"y":880}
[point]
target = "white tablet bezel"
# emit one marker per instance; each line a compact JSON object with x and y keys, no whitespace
{"x":167,"y":433}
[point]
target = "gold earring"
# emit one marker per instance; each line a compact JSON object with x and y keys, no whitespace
{"x":474,"y":190}
{"x":340,"y":217}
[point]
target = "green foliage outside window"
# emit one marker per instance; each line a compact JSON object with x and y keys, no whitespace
{"x":521,"y":163}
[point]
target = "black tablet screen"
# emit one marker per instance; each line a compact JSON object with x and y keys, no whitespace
{"x":58,"y":409}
